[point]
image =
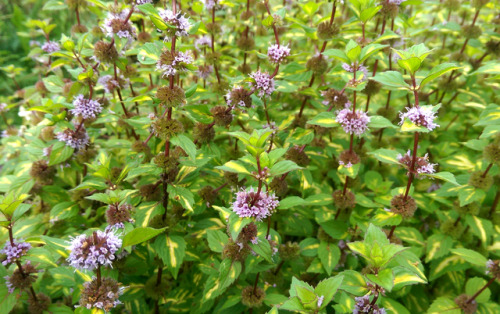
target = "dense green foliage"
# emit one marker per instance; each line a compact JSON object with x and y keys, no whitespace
{"x":248,"y":156}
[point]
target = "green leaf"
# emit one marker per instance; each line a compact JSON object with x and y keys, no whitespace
{"x":352,"y":50}
{"x":492,"y":67}
{"x":100,"y":197}
{"x":151,"y":11}
{"x":186,"y":144}
{"x":327,"y":289}
{"x":337,"y":54}
{"x":411,"y":65}
{"x":474,"y":285}
{"x":469,"y":194}
{"x":172,"y":250}
{"x":369,"y":13}
{"x":443,"y":305}
{"x":445,"y":176}
{"x":60,"y":153}
{"x":234,"y":166}
{"x":216,"y":240}
{"x":386,"y":155}
{"x":329,"y":254}
{"x":378,"y":122}
{"x":392,"y":79}
{"x":282,"y":167}
{"x":353,"y":282}
{"x":437,"y":72}
{"x":139,"y":235}
{"x":324,"y":119}
{"x":236,"y":224}
{"x":384,"y":278}
{"x":291,"y":201}
{"x":191,"y":90}
{"x":471,"y":256}
{"x":370,"y":50}
{"x":482,"y":228}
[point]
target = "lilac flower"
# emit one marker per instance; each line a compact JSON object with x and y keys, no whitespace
{"x":178,"y":20}
{"x":363,"y":305}
{"x":356,"y":122}
{"x":86,"y":108}
{"x":88,"y":252}
{"x":51,"y":46}
{"x":9,"y":285}
{"x":422,"y":164}
{"x":421,"y":116}
{"x":204,"y":71}
{"x":263,"y":83}
{"x":177,"y":64}
{"x":117,"y":23}
{"x":397,"y":2}
{"x":109,"y":83}
{"x":320,"y":300}
{"x":14,"y":251}
{"x":209,"y":4}
{"x":139,"y":2}
{"x":2,"y":107}
{"x":277,"y":53}
{"x":77,"y":139}
{"x":249,"y":203}
{"x":350,"y":68}
{"x":203,"y":41}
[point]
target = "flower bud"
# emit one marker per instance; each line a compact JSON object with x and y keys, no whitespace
{"x":251,"y":299}
{"x":166,"y":128}
{"x":318,"y":65}
{"x":105,"y":52}
{"x":478,"y":181}
{"x":326,"y":31}
{"x":342,"y":201}
{"x":298,"y":156}
{"x":405,"y":206}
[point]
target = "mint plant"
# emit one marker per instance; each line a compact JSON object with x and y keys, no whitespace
{"x":249,"y":157}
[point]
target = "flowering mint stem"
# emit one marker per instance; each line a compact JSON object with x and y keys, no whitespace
{"x":213,"y":47}
{"x":481,"y":290}
{"x":391,"y":232}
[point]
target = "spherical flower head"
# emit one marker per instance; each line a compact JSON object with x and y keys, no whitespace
{"x":117,"y":215}
{"x":86,"y":108}
{"x":353,"y":122}
{"x":363,"y":305}
{"x":277,"y":53}
{"x":251,"y":297}
{"x":422,"y":164}
{"x":405,"y":206}
{"x":202,"y":42}
{"x":348,"y":158}
{"x":75,"y":139}
{"x":239,"y":96}
{"x":334,"y":98}
{"x":222,"y":115}
{"x":249,"y":203}
{"x":178,"y":20}
{"x":420,"y":116}
{"x":171,"y":63}
{"x":14,"y":251}
{"x":117,"y":23}
{"x":493,"y":268}
{"x":104,"y":296}
{"x":463,"y":304}
{"x":97,"y":249}
{"x":21,"y":280}
{"x":110,"y":84}
{"x":204,"y":71}
{"x":51,"y":46}
{"x":263,"y":84}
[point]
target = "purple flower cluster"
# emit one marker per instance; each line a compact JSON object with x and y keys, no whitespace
{"x":14,"y":251}
{"x":422,"y":164}
{"x":177,"y":64}
{"x":421,"y":116}
{"x":264,"y":84}
{"x":115,"y":24}
{"x":178,"y":20}
{"x":203,"y":41}
{"x":76,"y":139}
{"x":86,"y":108}
{"x":353,"y":122}
{"x":277,"y":54}
{"x":249,"y":203}
{"x":363,"y":305}
{"x":51,"y":46}
{"x":209,"y":4}
{"x":398,"y":2}
{"x":88,"y":252}
{"x":361,"y":68}
{"x":139,"y":2}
